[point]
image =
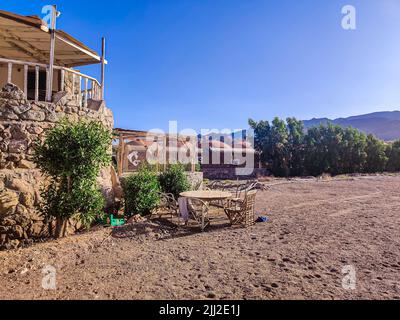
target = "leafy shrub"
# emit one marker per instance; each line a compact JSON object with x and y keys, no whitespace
{"x":174,"y":180}
{"x":141,"y":192}
{"x":72,"y":155}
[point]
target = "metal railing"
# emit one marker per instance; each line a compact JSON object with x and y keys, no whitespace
{"x":87,"y":87}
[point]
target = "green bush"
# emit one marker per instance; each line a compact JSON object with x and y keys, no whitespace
{"x":174,"y":180}
{"x":71,"y":156}
{"x":141,"y":192}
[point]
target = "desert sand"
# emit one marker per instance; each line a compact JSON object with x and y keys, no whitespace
{"x":315,"y":228}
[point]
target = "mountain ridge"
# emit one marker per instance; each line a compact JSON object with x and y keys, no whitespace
{"x":384,"y":125}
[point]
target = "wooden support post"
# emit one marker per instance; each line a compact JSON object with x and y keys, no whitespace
{"x":26,"y":81}
{"x":62,"y":84}
{"x":80,"y":90}
{"x":47,"y":84}
{"x":86,"y":92}
{"x":36,"y":83}
{"x":9,"y":75}
{"x":49,"y":88}
{"x":73,"y":85}
{"x":103,"y":58}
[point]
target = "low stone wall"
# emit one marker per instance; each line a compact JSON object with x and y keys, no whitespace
{"x":22,"y":123}
{"x":223,"y":172}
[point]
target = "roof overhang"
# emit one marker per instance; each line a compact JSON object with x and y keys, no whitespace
{"x":27,"y":38}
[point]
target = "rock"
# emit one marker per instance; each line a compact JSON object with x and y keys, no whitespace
{"x":11,"y":91}
{"x":34,"y":115}
{"x":25,"y":164}
{"x":20,"y":185}
{"x":52,"y":116}
{"x":4,"y":146}
{"x":34,"y":129}
{"x":9,"y":115}
{"x":17,"y":231}
{"x":13,"y":158}
{"x":19,"y":109}
{"x":28,"y":199}
{"x":18,"y":132}
{"x":36,"y":229}
{"x":8,"y":202}
{"x":61,"y":98}
{"x":8,"y":222}
{"x":17,"y":146}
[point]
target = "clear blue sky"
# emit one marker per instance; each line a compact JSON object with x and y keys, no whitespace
{"x":215,"y":63}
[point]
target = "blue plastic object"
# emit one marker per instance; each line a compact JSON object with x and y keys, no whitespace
{"x":262,"y":219}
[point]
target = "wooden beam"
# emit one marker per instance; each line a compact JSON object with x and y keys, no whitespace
{"x":37,"y":83}
{"x":26,"y":46}
{"x":52,"y":52}
{"x":26,"y":81}
{"x":86,"y":92}
{"x":9,"y":74}
{"x":62,"y":84}
{"x":103,"y":58}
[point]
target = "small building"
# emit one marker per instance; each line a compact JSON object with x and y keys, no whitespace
{"x":39,"y":85}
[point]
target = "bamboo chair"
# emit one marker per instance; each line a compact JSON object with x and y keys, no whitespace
{"x":198,"y":209}
{"x":167,"y":205}
{"x":241,"y":211}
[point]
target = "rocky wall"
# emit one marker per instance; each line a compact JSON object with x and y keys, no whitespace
{"x":22,"y":123}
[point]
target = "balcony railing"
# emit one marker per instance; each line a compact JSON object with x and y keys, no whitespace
{"x":84,"y":87}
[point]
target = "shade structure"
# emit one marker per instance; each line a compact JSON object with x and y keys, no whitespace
{"x":27,"y":38}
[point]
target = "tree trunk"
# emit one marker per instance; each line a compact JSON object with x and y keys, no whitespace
{"x":61,"y":227}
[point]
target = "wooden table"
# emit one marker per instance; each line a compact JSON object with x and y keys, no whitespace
{"x":206,"y":197}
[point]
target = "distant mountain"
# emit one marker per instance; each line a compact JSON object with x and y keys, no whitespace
{"x":384,"y":125}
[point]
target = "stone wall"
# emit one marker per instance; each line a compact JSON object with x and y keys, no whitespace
{"x":227,"y":172}
{"x":22,"y":123}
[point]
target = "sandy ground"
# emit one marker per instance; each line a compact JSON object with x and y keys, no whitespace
{"x":315,"y":229}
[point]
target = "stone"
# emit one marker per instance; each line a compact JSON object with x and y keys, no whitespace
{"x":8,"y":114}
{"x":14,"y":157}
{"x":11,"y":91}
{"x":4,"y":146}
{"x":17,"y":231}
{"x":8,"y":201}
{"x":52,"y":116}
{"x":36,"y":230}
{"x":28,"y":200}
{"x":60,"y":97}
{"x":17,"y":146}
{"x":20,"y":185}
{"x":8,"y":222}
{"x":18,"y":132}
{"x":25,"y":164}
{"x":34,"y":129}
{"x":19,"y":109}
{"x":34,"y":115}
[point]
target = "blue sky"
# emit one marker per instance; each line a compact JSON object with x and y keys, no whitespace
{"x":215,"y":63}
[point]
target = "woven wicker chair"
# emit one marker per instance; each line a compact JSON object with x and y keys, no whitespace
{"x":198,"y":209}
{"x":167,"y":205}
{"x":241,"y":211}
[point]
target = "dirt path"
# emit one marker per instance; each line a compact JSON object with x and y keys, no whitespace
{"x":315,"y":229}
